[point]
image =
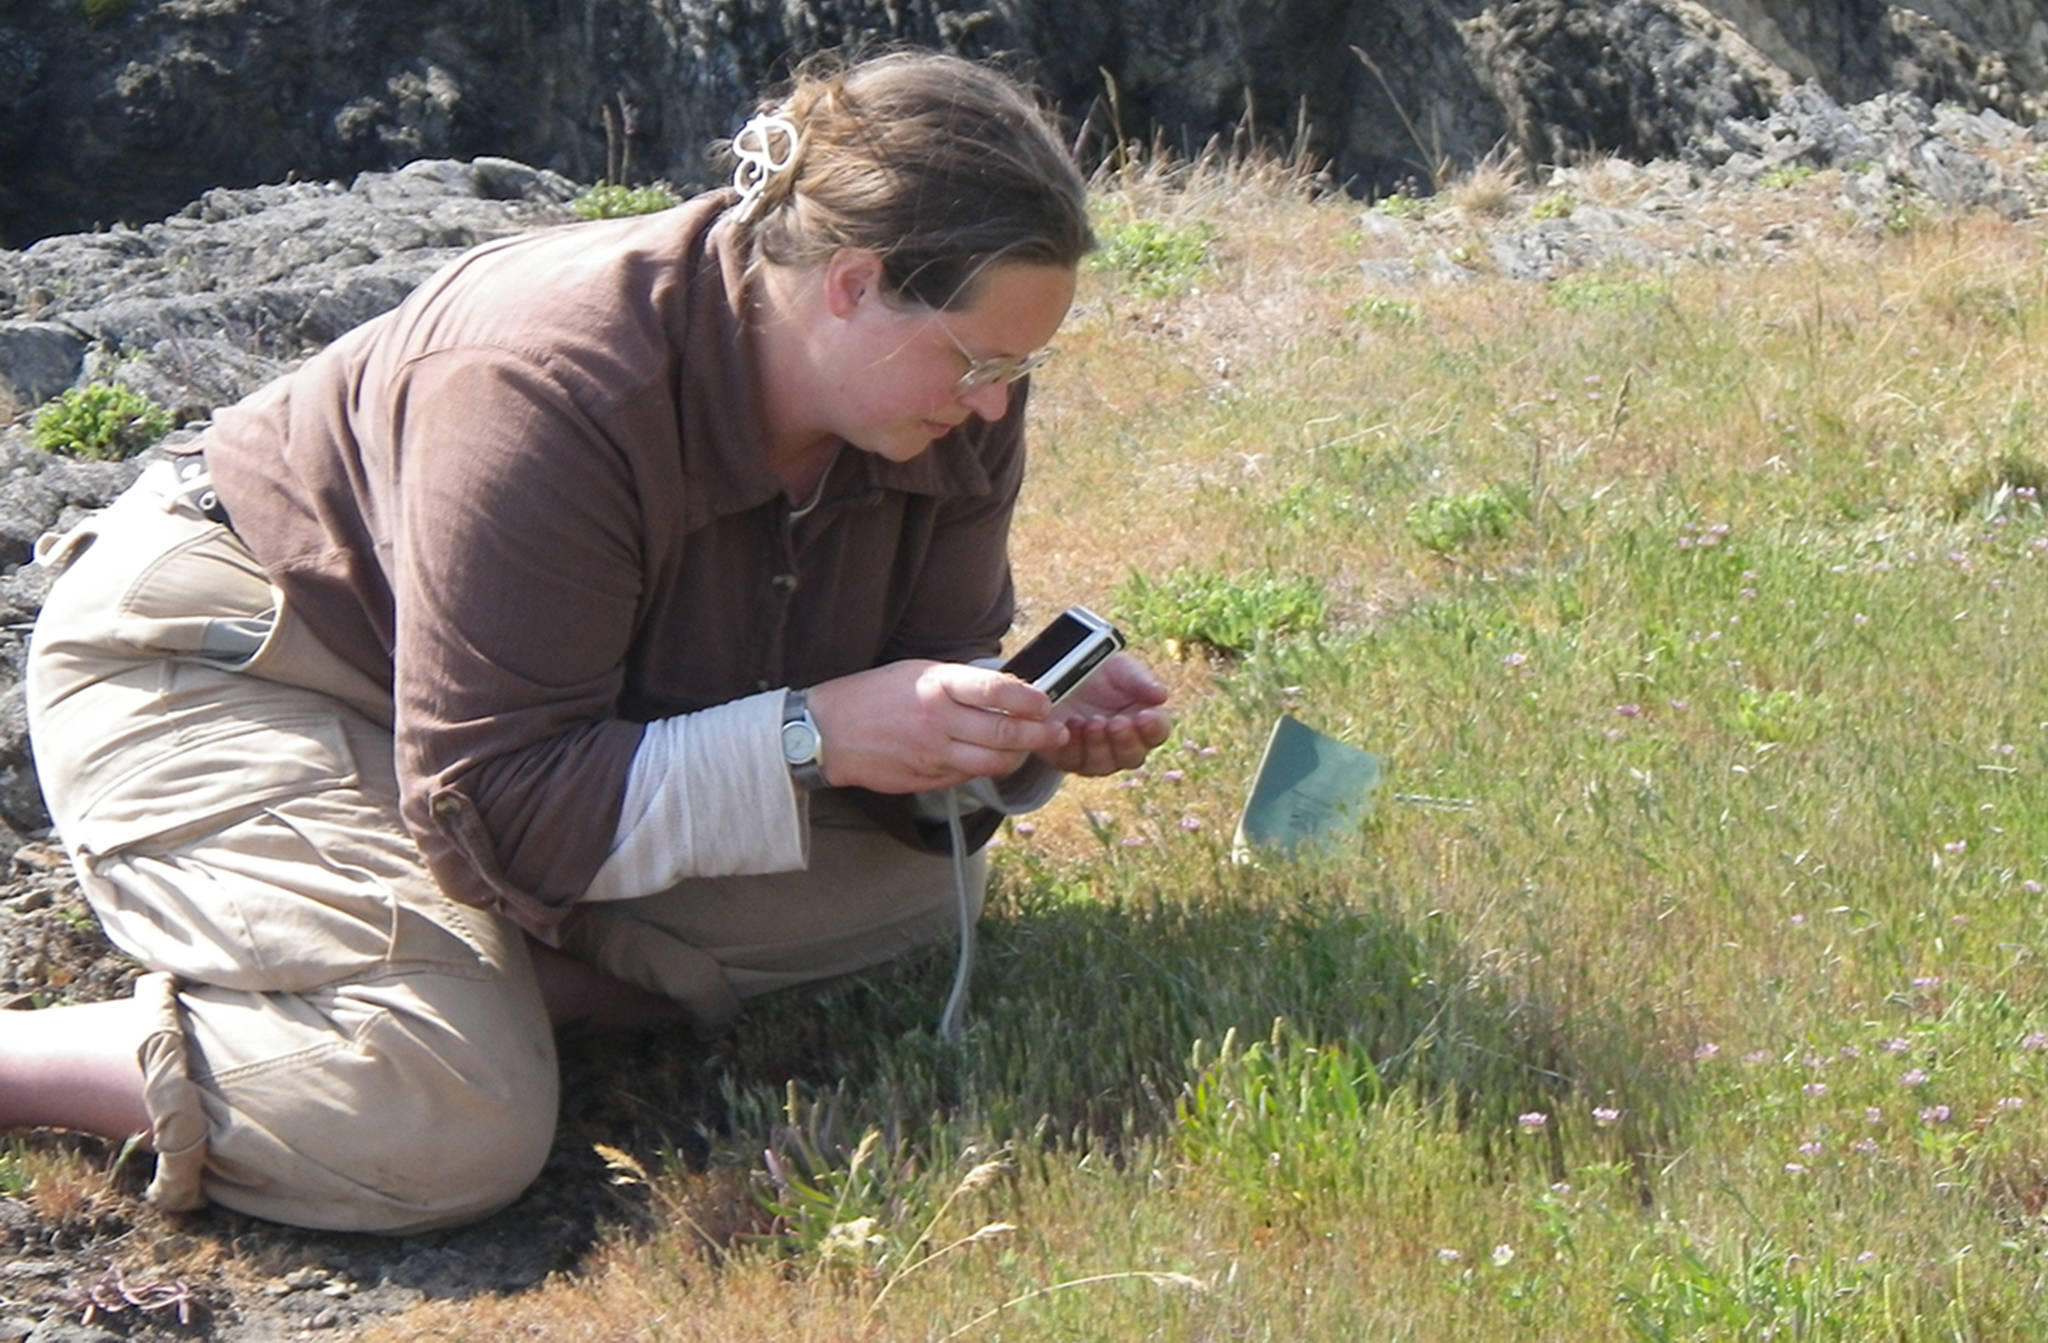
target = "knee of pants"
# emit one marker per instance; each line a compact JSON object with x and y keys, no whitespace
{"x":712,"y":943}
{"x":410,"y":1124}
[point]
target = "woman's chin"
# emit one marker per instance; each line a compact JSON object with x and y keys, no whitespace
{"x":906,"y":444}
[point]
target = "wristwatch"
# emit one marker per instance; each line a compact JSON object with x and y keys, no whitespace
{"x":803,"y":746}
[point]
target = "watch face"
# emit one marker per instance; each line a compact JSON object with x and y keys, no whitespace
{"x":799,"y":743}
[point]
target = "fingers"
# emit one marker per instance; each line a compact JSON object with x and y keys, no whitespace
{"x":986,"y":689}
{"x":1108,"y":745}
{"x":1140,"y":688}
{"x":995,"y":712}
{"x":1121,"y":685}
{"x":910,"y":726}
{"x":1114,"y":721}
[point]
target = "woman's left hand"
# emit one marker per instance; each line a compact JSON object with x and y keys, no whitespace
{"x":1113,"y":721}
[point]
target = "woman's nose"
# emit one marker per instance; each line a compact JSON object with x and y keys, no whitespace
{"x":991,"y":400}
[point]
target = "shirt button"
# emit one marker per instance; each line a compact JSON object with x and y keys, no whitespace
{"x":447,"y":805}
{"x":763,"y":683}
{"x":783,"y":584}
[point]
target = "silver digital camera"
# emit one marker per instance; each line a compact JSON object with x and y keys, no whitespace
{"x":1061,"y":656}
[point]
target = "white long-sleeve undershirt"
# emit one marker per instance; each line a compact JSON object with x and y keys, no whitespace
{"x":708,"y":795}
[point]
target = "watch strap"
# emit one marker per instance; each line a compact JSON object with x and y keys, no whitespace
{"x":803,"y":745}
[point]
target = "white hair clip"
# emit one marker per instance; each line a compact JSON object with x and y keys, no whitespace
{"x":758,"y":162}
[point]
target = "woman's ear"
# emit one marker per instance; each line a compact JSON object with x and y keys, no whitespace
{"x":852,"y":275}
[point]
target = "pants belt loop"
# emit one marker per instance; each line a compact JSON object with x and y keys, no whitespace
{"x":199,"y":492}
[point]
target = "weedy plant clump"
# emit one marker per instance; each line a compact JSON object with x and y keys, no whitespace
{"x":1445,"y":523}
{"x":1225,"y":613}
{"x":1155,"y":258}
{"x":1786,"y":175}
{"x":614,"y":200}
{"x":100,"y":421}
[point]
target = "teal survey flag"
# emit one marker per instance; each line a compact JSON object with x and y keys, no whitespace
{"x":1310,"y":792}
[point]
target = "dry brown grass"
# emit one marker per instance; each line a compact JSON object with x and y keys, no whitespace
{"x":1489,"y":189}
{"x":1103,"y":498}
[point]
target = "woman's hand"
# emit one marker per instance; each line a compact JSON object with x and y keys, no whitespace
{"x":1113,"y":721}
{"x":909,"y":726}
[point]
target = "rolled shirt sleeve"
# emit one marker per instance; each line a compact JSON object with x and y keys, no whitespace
{"x":707,"y":796}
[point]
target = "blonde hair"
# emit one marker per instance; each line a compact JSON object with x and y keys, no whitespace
{"x":940,"y":166}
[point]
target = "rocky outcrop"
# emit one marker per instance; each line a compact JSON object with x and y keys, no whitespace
{"x":197,"y":311}
{"x":201,"y":306}
{"x":116,"y":110}
{"x":1893,"y":157}
{"x":1996,"y":50}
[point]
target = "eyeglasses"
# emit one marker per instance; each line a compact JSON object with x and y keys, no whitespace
{"x":996,"y":368}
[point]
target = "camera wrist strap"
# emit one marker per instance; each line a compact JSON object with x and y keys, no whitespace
{"x":950,"y":1021}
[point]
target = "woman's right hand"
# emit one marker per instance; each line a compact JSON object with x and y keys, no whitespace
{"x":914,"y":725}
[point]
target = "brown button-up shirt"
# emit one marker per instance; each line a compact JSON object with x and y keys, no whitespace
{"x":533,"y":499}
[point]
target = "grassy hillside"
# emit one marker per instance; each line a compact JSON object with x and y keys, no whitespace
{"x":1692,"y":988}
{"x":1712,"y":584}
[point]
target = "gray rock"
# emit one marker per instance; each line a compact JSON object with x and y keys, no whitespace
{"x":59,"y":1329}
{"x":1639,"y":76}
{"x":1891,"y":143}
{"x":1560,"y":247}
{"x":39,"y":492}
{"x":37,"y":361}
{"x":201,"y":308}
{"x":130,"y":119}
{"x":1399,"y":273}
{"x":21,"y":799}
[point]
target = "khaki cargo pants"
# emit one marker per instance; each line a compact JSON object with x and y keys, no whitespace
{"x":338,"y":1044}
